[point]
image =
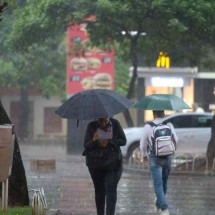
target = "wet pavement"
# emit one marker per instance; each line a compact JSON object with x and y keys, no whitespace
{"x":69,"y":189}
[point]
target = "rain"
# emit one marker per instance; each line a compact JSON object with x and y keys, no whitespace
{"x":53,"y":51}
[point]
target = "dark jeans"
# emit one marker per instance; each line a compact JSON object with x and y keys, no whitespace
{"x":105,"y":181}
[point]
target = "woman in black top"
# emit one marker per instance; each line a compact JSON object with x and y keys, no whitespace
{"x":102,"y":143}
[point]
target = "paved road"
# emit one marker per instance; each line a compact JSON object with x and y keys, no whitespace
{"x":69,"y":189}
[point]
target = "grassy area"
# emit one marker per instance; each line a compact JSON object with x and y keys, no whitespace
{"x":17,"y":211}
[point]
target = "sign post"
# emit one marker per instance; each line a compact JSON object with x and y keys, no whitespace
{"x":87,"y":68}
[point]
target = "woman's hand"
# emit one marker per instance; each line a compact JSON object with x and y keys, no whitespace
{"x":101,"y":143}
{"x":95,"y":136}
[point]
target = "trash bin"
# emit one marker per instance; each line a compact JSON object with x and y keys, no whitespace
{"x":6,"y":150}
{"x":6,"y":157}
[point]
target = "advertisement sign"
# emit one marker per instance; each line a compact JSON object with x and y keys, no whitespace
{"x":87,"y":68}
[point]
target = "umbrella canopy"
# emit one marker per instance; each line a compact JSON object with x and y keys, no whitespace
{"x":93,"y":104}
{"x":161,"y":102}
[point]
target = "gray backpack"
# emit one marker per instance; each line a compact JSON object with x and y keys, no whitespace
{"x":162,"y":142}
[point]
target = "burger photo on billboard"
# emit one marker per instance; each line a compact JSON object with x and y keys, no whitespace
{"x":102,"y":81}
{"x":78,"y":64}
{"x":87,"y":83}
{"x":94,"y":63}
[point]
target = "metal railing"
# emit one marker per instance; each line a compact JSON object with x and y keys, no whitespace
{"x":199,"y":156}
{"x":181,"y":163}
{"x":38,"y":203}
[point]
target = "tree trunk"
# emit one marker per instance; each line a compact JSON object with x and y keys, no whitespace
{"x":140,"y":94}
{"x":18,"y":190}
{"x":24,"y":108}
{"x":133,"y":54}
{"x":211,"y":144}
{"x":127,"y":114}
{"x":2,"y":8}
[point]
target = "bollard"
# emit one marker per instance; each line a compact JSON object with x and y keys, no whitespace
{"x":5,"y":195}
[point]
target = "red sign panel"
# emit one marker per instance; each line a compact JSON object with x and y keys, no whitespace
{"x":87,"y":68}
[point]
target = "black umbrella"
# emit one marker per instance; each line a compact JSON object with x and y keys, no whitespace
{"x":93,"y":104}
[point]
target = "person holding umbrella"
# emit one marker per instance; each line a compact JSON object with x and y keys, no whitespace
{"x":102,"y":143}
{"x":159,"y":164}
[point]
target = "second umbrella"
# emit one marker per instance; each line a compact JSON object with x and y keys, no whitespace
{"x":161,"y":102}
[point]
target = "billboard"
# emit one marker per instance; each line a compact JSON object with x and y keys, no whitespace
{"x":87,"y":68}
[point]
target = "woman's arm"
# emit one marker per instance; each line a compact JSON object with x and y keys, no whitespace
{"x":119,"y":138}
{"x":90,"y":140}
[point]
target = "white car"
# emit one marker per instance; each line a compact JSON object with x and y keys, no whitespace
{"x":193,"y":131}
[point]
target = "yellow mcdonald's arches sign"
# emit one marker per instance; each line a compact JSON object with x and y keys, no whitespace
{"x":163,"y":60}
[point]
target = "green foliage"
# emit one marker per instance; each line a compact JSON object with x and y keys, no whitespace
{"x":17,"y":211}
{"x":38,"y":20}
{"x":2,"y":7}
{"x":13,"y":2}
{"x":181,"y":28}
{"x":185,"y":29}
{"x":7,"y":78}
{"x":40,"y":65}
{"x":122,"y":76}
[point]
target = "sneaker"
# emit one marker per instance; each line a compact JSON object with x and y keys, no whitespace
{"x":165,"y":212}
{"x":157,"y":210}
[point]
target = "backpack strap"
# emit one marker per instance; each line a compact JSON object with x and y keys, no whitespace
{"x":151,"y":124}
{"x":149,"y":146}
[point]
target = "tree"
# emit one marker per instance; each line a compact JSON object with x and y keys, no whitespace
{"x":166,"y":23}
{"x":39,"y":20}
{"x":40,"y":66}
{"x":211,"y":144}
{"x":2,"y":7}
{"x":181,"y":28}
{"x":122,"y":78}
{"x":18,"y":190}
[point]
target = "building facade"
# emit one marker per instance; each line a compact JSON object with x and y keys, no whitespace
{"x":43,"y":123}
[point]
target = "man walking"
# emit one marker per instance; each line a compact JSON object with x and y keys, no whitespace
{"x":159,"y":164}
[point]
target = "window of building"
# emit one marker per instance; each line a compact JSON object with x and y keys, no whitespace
{"x":52,"y":122}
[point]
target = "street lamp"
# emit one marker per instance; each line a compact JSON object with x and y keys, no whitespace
{"x":133,"y":33}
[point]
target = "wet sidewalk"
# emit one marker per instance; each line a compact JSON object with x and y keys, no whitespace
{"x":69,"y":189}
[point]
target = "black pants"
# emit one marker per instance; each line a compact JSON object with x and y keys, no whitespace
{"x":105,"y":181}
